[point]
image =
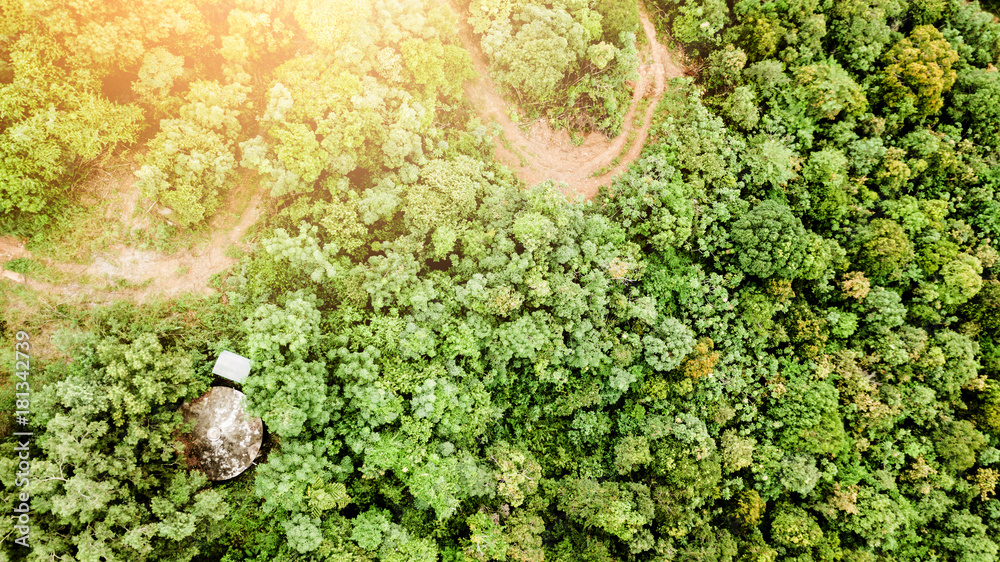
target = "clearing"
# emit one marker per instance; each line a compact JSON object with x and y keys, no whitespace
{"x":544,"y":154}
{"x":108,"y":253}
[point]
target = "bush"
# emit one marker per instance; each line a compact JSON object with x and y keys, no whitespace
{"x":191,"y":160}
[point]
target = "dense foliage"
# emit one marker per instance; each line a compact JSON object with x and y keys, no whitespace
{"x":566,"y":60}
{"x":775,"y":337}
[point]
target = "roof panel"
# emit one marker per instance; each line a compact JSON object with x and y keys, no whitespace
{"x":232,"y":366}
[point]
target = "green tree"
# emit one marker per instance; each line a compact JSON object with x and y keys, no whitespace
{"x":961,"y":280}
{"x":256,"y":35}
{"x":878,"y":519}
{"x":810,"y":417}
{"x":617,"y":18}
{"x":192,"y":159}
{"x":741,"y":108}
{"x":977,"y":105}
{"x":985,"y":307}
{"x":957,"y":443}
{"x":52,"y":121}
{"x":949,"y":363}
{"x":919,"y":72}
{"x":700,"y":23}
{"x":887,"y":251}
{"x":862,"y":33}
{"x":795,"y":528}
{"x":830,"y":91}
{"x":159,"y":72}
{"x":560,"y":60}
{"x":619,"y":509}
{"x":107,"y":478}
{"x":965,"y":538}
{"x":488,"y":541}
{"x":771,"y":163}
{"x":769,"y":241}
{"x":102,"y":38}
{"x":388,"y":541}
{"x":668,"y":345}
{"x":725,"y":67}
{"x":654,"y":209}
{"x":826,"y":174}
{"x":542,"y":51}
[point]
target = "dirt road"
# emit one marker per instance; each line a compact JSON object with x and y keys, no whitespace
{"x":125,"y":272}
{"x":542,"y":153}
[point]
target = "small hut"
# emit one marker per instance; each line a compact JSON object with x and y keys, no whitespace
{"x":224,"y":440}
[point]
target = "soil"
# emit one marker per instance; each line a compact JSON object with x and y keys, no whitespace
{"x":187,"y":271}
{"x":141,"y":274}
{"x":542,"y":153}
{"x":12,"y":248}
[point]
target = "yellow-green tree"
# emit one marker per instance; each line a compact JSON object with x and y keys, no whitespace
{"x":919,"y":72}
{"x":192,"y":159}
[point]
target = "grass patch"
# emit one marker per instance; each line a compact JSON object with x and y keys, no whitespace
{"x":235,"y":252}
{"x":638,"y":118}
{"x":505,"y":142}
{"x":40,"y":316}
{"x":601,"y":171}
{"x":39,"y":271}
{"x":124,"y":284}
{"x":162,"y":238}
{"x":24,"y":266}
{"x":110,"y":213}
{"x":640,"y":112}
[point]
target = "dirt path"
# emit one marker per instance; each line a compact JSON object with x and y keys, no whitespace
{"x":125,"y":271}
{"x":187,"y":271}
{"x":543,"y":153}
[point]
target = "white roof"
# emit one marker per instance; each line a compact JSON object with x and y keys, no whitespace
{"x":232,"y":366}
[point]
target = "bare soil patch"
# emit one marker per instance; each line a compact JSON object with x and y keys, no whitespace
{"x":542,"y":153}
{"x":12,"y":248}
{"x":117,"y":267}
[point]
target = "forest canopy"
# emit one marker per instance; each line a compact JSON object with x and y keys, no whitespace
{"x":775,"y":336}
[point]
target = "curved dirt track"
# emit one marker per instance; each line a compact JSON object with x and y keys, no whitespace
{"x":544,"y":154}
{"x":537,"y":155}
{"x":126,"y":272}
